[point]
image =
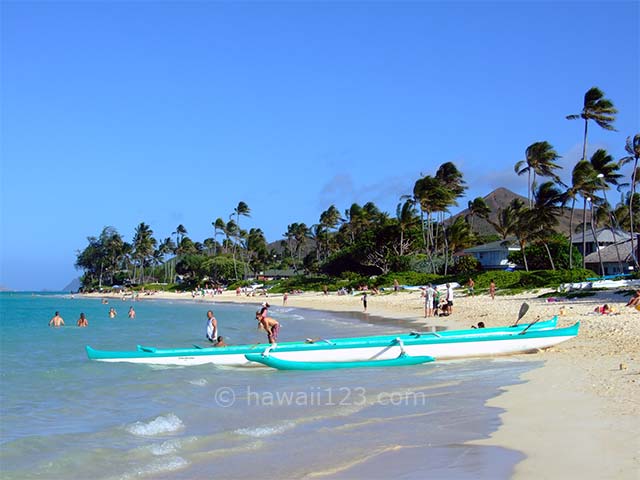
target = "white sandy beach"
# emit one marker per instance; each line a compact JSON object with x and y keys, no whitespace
{"x":576,"y":417}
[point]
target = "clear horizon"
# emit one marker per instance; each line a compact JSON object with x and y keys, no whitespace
{"x":172,"y":113}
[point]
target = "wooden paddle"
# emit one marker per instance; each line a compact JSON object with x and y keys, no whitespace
{"x":524,"y":308}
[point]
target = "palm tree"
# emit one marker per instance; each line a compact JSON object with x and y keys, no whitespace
{"x":478,"y":208}
{"x":598,"y":109}
{"x":606,"y":169}
{"x":406,"y":215}
{"x":231,"y":231}
{"x":539,"y":160}
{"x":524,"y":228}
{"x":455,"y":186}
{"x":244,"y":210}
{"x":459,"y":235}
{"x":506,"y":222}
{"x":219,"y":228}
{"x":180,"y":234}
{"x":633,"y":149}
{"x":166,"y":247}
{"x":144,"y":245}
{"x":547,"y":206}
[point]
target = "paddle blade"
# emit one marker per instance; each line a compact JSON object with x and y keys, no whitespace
{"x":524,"y":308}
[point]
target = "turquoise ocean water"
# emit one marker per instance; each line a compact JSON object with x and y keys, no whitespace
{"x":64,"y":417}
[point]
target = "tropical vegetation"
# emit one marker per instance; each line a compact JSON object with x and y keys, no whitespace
{"x":422,"y":242}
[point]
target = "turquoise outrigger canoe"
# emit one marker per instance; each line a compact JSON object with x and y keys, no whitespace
{"x":347,"y":341}
{"x":280,"y":364}
{"x":441,"y":345}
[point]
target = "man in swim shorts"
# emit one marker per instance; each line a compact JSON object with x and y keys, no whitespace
{"x":270,"y":325}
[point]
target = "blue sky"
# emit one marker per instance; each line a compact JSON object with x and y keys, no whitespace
{"x":114,"y":113}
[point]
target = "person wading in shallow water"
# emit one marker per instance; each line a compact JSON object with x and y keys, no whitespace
{"x":82,"y":321}
{"x":56,"y":321}
{"x":270,"y":325}
{"x":212,"y":327}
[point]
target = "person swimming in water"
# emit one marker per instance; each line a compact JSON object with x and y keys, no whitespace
{"x":56,"y":321}
{"x":82,"y":321}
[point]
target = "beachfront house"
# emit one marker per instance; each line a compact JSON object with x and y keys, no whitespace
{"x":494,"y":255}
{"x":614,"y":260}
{"x":605,"y":236}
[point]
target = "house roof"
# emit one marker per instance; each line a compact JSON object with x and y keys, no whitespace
{"x":494,"y":246}
{"x":604,"y":235}
{"x":609,"y":253}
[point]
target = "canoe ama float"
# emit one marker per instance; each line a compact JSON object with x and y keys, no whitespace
{"x":280,"y":364}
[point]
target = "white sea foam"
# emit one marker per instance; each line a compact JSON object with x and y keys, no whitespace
{"x":165,"y":448}
{"x":266,"y":430}
{"x":200,"y":382}
{"x":162,"y":424}
{"x":157,"y":467}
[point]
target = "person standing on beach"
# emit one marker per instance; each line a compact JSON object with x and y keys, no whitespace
{"x":492,"y":289}
{"x":396,"y":285}
{"x":428,"y":302}
{"x":56,"y":321}
{"x":132,"y":313}
{"x":449,"y":299}
{"x":285,"y":297}
{"x":436,"y":302}
{"x":82,"y":321}
{"x":364,"y":301}
{"x":471,"y":284}
{"x":212,"y":327}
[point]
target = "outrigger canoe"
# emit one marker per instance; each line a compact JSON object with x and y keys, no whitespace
{"x":280,"y":364}
{"x":440,"y":345}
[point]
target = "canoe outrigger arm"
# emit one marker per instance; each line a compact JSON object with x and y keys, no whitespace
{"x":267,"y":350}
{"x":401,"y":344}
{"x":418,"y":334}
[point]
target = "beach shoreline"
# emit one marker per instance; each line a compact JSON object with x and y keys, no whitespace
{"x":575,"y":416}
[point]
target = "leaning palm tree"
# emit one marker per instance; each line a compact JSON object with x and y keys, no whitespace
{"x":406,"y":216}
{"x":606,"y":171}
{"x":525,"y":228}
{"x":597,"y":108}
{"x":244,"y":210}
{"x":452,"y":180}
{"x":547,"y":206}
{"x":478,"y":208}
{"x":584,"y":183}
{"x":632,"y":147}
{"x":539,"y":160}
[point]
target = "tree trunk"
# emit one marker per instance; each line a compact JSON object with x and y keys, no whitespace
{"x":446,"y":246}
{"x":424,"y":236}
{"x":584,"y":231}
{"x":524,"y":256}
{"x":595,"y":239}
{"x":573,"y":205}
{"x":584,"y":144}
{"x":633,"y":191}
{"x":546,"y":246}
